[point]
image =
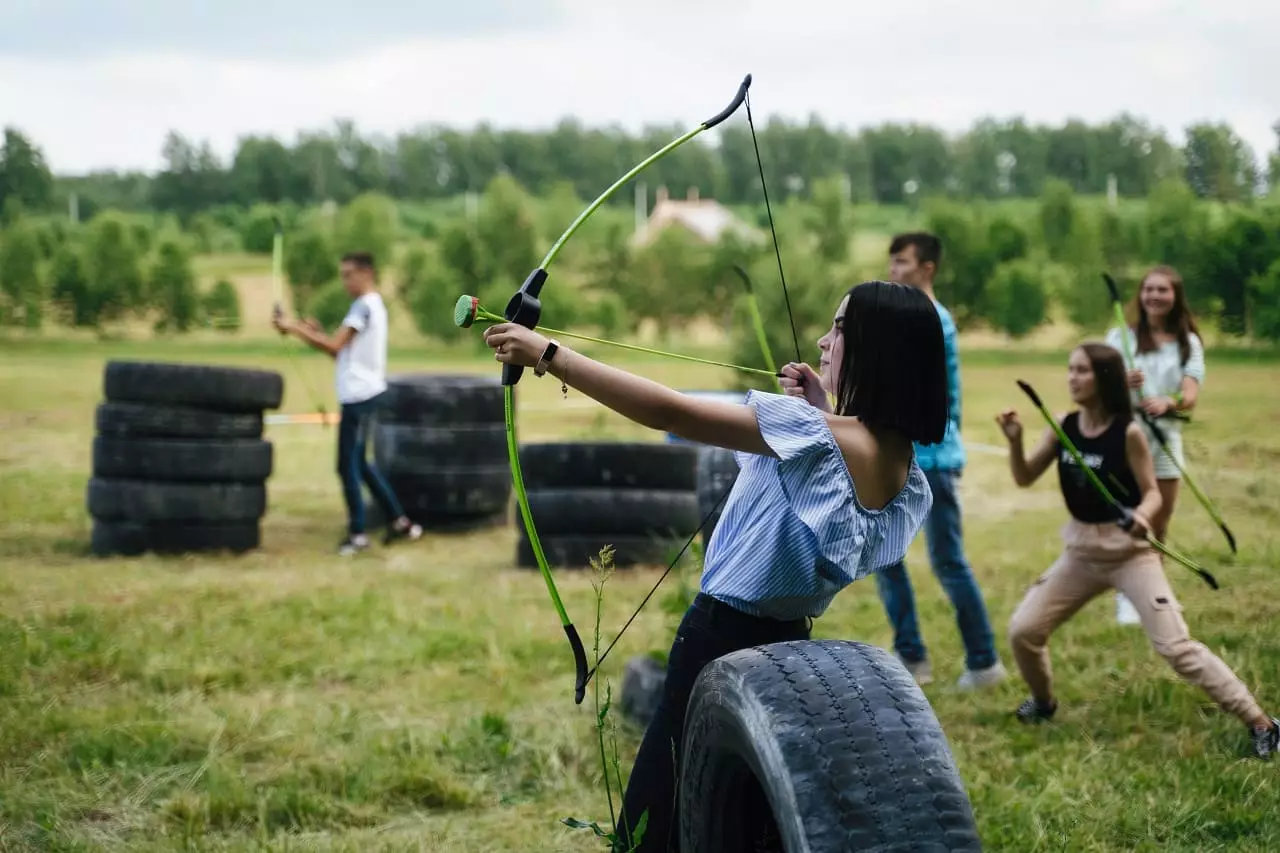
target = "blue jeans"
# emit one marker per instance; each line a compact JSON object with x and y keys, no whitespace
{"x":354,"y":468}
{"x":946,"y":555}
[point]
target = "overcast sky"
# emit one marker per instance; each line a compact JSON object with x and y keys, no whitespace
{"x":97,"y":83}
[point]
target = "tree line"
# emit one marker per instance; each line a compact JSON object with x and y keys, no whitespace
{"x":887,"y":164}
{"x":1012,"y":264}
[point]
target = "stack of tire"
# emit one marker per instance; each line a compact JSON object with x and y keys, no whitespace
{"x":440,"y":440}
{"x":717,"y":469}
{"x":638,"y":497}
{"x":179,"y":461}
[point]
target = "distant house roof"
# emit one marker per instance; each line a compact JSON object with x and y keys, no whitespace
{"x":707,"y":219}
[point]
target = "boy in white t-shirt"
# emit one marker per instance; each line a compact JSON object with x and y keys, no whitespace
{"x":360,"y":348}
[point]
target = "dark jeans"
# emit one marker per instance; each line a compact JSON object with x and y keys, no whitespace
{"x":946,"y":555}
{"x":354,"y":468}
{"x":710,"y":629}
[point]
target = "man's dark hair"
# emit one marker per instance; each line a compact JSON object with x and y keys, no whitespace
{"x":894,"y":372}
{"x":928,"y":246}
{"x":1109,"y":379}
{"x":363,"y":260}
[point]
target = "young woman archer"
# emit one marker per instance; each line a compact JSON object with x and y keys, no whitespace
{"x":1166,"y":376}
{"x":822,"y":499}
{"x":1099,"y":555}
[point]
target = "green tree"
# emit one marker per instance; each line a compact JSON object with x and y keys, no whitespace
{"x":172,"y":288}
{"x":24,"y":174}
{"x":70,"y":290}
{"x":832,"y":220}
{"x":506,"y":233}
{"x":1017,"y":297}
{"x":310,"y":262}
{"x":1058,"y":215}
{"x":221,"y":307}
{"x":20,"y":283}
{"x":368,"y":224}
{"x":259,"y":231}
{"x":1219,"y":164}
{"x":1264,"y":293}
{"x":114,"y":269}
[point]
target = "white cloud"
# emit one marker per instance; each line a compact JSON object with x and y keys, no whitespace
{"x":681,"y":60}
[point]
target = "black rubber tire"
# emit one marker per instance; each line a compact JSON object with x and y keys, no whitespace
{"x":448,"y":493}
{"x":576,"y":551}
{"x":416,"y":450}
{"x":443,"y":399}
{"x":829,"y":744}
{"x":637,"y":512}
{"x":123,"y":538}
{"x":245,"y":460}
{"x":204,"y":386}
{"x":717,"y":472}
{"x":633,"y":465}
{"x":148,"y":502}
{"x":143,"y":420}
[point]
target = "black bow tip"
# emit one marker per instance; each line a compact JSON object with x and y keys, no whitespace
{"x":1111,"y":286}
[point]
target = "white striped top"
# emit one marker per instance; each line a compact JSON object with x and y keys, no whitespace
{"x":793,"y":532}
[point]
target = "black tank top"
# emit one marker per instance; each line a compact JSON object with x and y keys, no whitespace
{"x":1105,"y":455}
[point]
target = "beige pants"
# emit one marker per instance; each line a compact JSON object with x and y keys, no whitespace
{"x":1098,"y":557}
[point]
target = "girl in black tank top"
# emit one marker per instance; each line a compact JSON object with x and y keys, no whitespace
{"x":1106,"y":455}
{"x":1099,"y":556}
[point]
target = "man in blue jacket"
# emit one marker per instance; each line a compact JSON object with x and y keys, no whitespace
{"x":913,"y":259}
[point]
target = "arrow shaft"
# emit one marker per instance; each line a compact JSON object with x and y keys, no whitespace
{"x":485,"y":314}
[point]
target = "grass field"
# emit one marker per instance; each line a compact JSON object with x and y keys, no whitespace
{"x":420,"y":698}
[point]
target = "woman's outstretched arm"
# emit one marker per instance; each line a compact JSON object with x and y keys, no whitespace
{"x":644,"y":401}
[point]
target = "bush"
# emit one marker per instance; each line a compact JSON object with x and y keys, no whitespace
{"x":258,"y":233}
{"x":113,"y":269}
{"x":1058,"y":217}
{"x":309,"y":263}
{"x":329,"y":305}
{"x":172,"y":288}
{"x":368,"y":224}
{"x":222,"y":307}
{"x":21,"y":290}
{"x":1017,"y":298}
{"x":1264,"y":290}
{"x":74,"y":298}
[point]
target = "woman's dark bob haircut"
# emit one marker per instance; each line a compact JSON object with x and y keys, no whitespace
{"x":894,"y":373}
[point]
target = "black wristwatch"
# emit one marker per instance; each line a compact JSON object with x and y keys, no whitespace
{"x":547,"y":354}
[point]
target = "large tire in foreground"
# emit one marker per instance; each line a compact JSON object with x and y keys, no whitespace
{"x":828,"y":746}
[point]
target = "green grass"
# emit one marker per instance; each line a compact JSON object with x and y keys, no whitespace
{"x":420,"y":698}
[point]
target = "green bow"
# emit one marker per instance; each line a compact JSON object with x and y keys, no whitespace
{"x":525,"y":309}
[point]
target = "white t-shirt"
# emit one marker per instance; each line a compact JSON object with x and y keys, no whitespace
{"x":362,"y":363}
{"x":1162,"y":370}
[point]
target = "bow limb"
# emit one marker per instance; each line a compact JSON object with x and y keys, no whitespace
{"x":1126,"y":517}
{"x":764,"y":345}
{"x":1155,"y":427}
{"x":525,"y":308}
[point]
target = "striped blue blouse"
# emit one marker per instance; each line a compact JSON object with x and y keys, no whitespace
{"x":793,"y":532}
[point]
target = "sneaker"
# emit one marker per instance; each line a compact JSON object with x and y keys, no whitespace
{"x":921,"y":670}
{"x":1267,"y":741}
{"x":402,"y":529}
{"x":353,"y":544}
{"x":1032,"y":711}
{"x":972,"y":679}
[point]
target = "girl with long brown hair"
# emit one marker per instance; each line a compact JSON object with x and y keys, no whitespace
{"x":1165,"y":379}
{"x":1098,"y":554}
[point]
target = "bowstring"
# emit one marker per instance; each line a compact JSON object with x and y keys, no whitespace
{"x":795,"y":340}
